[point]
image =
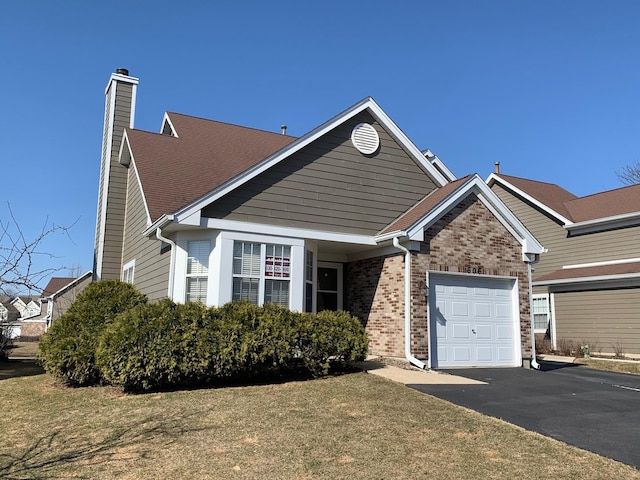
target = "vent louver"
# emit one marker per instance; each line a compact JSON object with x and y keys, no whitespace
{"x":365,"y":138}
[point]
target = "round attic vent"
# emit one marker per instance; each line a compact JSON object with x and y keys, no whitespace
{"x":365,"y":138}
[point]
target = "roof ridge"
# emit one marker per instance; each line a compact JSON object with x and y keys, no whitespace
{"x":220,"y":122}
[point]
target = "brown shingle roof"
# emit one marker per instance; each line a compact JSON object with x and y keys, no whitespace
{"x":605,"y":204}
{"x":55,"y":284}
{"x":586,"y":272}
{"x":176,"y":171}
{"x":550,"y":194}
{"x":424,"y":206}
{"x":580,"y":209}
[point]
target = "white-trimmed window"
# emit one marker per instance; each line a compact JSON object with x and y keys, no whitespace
{"x":197,"y":271}
{"x":541,"y":312}
{"x":4,"y":313}
{"x":128,"y":270}
{"x":308,"y":286}
{"x":261,"y":273}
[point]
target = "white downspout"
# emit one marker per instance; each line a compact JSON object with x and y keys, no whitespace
{"x":172,"y":262}
{"x":407,"y":304}
{"x":534,"y":363}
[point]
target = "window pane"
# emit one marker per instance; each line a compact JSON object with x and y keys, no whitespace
{"x":198,"y":259}
{"x":246,"y":289}
{"x":308,"y":297}
{"x":246,"y":258}
{"x":309,"y":267}
{"x":197,"y":289}
{"x":278,"y":261}
{"x":276,"y":291}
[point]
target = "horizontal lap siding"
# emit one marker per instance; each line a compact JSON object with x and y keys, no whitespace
{"x":595,"y":247}
{"x":603,"y":317}
{"x":330,"y":186}
{"x":151,"y":274}
{"x":117,"y":186}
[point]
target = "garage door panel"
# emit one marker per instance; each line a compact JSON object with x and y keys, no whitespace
{"x":484,"y":354}
{"x":460,"y":331}
{"x":482,"y":310}
{"x":472,"y":318}
{"x":484,"y":332}
{"x":461,"y":354}
{"x":459,"y":309}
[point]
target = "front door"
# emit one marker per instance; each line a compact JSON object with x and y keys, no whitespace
{"x":329,"y":291}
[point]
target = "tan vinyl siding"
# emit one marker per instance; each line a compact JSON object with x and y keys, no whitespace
{"x":151,"y":275}
{"x":600,"y":318}
{"x":330,"y":186}
{"x":116,"y":184}
{"x":563,"y":250}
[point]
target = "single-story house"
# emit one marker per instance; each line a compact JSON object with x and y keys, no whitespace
{"x":587,"y":287}
{"x":351,"y":215}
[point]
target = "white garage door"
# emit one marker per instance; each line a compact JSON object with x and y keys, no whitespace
{"x":472,"y":321}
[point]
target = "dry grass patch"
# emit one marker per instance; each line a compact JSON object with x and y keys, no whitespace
{"x":632,"y":367}
{"x":353,"y":426}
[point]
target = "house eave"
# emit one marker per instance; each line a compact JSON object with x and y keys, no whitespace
{"x":599,"y":224}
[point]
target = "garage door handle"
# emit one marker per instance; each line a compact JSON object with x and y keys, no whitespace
{"x":473,"y":331}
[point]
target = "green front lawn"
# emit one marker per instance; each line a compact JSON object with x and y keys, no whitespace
{"x":352,"y":426}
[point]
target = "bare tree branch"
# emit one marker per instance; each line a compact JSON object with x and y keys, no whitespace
{"x":630,"y":174}
{"x":19,"y":256}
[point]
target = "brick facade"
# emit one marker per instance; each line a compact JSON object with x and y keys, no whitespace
{"x":469,"y":236}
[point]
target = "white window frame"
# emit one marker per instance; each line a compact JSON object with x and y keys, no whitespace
{"x":538,"y":296}
{"x":199,"y":275}
{"x":129,"y":267}
{"x":262,"y":275}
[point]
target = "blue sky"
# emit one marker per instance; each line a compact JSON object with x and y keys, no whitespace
{"x":548,"y":88}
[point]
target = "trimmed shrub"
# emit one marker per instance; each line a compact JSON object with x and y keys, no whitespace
{"x":331,"y":337}
{"x":67,"y":350}
{"x":158,"y":345}
{"x":167,"y":345}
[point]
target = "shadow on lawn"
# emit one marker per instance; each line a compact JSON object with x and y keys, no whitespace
{"x":51,"y":453}
{"x":19,"y":368}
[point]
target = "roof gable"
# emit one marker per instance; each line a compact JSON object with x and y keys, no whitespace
{"x":438,"y":203}
{"x":367,"y":104}
{"x":199,"y":155}
{"x":613,"y":208}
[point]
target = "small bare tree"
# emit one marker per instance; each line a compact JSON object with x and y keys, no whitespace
{"x":630,"y":174}
{"x":19,"y":266}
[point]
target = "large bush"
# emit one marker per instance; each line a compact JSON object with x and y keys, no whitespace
{"x":68,"y":348}
{"x":166,"y":345}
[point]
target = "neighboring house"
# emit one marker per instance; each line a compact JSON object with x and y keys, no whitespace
{"x":588,"y":283}
{"x":352,"y":215}
{"x":20,"y":313}
{"x":60,"y":293}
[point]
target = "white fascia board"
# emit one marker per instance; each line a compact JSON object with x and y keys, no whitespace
{"x":600,"y":264}
{"x":579,"y":280}
{"x":135,"y":171}
{"x":493,"y":178}
{"x":117,"y":77}
{"x":296,"y":145}
{"x":476,"y":186}
{"x":616,"y":221}
{"x":161,"y":222}
{"x":71,"y":284}
{"x":289,"y":232}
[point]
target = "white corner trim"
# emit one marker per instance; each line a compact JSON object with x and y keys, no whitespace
{"x":365,"y":104}
{"x":493,"y":178}
{"x":600,"y":264}
{"x":132,"y":164}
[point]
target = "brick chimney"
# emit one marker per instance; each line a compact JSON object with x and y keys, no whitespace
{"x":120,"y":100}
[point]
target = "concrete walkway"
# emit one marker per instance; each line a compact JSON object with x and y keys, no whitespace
{"x":409,"y":375}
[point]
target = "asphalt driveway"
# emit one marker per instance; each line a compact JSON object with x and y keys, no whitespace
{"x":594,"y":410}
